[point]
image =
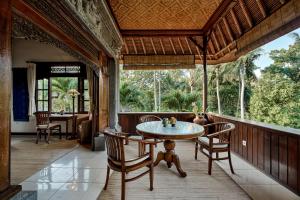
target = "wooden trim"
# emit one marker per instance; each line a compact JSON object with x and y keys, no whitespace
{"x":236,"y":22}
{"x":162,"y":46}
{"x":222,"y":35}
{"x":163,"y":33}
{"x":126,"y":47}
{"x":27,"y":12}
{"x":133,"y":43}
{"x":180,"y":45}
{"x":187,"y":42}
{"x":170,"y":39}
{"x":154,"y":49}
{"x":228,"y":29}
{"x":245,"y":11}
{"x":261,"y":8}
{"x":143,"y":46}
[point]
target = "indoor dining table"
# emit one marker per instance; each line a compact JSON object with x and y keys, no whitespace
{"x":182,"y":130}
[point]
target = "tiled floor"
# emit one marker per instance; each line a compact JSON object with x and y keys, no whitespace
{"x":79,"y":174}
{"x":255,"y":183}
{"x":28,"y":157}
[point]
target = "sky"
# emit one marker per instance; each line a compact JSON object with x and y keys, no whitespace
{"x":282,"y":42}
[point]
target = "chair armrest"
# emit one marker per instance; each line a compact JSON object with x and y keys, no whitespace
{"x":145,"y":141}
{"x":140,"y":157}
{"x":216,"y":134}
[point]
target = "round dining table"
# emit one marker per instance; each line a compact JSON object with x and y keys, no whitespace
{"x":182,"y":130}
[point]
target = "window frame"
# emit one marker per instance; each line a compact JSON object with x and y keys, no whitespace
{"x":43,"y":70}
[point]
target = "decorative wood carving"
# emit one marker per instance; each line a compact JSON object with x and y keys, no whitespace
{"x":25,"y":29}
{"x":96,"y":16}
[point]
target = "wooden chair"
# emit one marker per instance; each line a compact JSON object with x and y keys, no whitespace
{"x":148,"y":118}
{"x":117,"y":162}
{"x":215,"y":140}
{"x":43,"y":125}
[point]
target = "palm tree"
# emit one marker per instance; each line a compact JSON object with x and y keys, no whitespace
{"x":242,"y":71}
{"x":61,"y":86}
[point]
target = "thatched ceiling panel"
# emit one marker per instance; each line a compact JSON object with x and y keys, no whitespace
{"x":237,"y":30}
{"x":163,"y":14}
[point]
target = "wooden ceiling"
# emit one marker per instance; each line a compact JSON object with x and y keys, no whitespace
{"x":177,"y":27}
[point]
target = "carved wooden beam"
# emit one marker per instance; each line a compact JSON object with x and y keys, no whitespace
{"x":144,"y":49}
{"x":170,"y":39}
{"x":222,"y":35}
{"x":246,"y":13}
{"x":261,"y":7}
{"x":162,"y":33}
{"x":134,"y":46}
{"x":236,"y":22}
{"x":188,"y":44}
{"x":154,"y":49}
{"x":180,"y":45}
{"x":162,"y":46}
{"x":228,"y":29}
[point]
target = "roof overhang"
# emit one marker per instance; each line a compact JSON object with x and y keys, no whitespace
{"x":232,"y":29}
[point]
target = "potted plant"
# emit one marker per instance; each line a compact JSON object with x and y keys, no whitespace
{"x":199,"y":119}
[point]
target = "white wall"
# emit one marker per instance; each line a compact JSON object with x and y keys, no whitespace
{"x":28,"y":50}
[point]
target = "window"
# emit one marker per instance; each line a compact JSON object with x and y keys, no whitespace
{"x":86,"y":96}
{"x":60,"y":99}
{"x":54,"y":80}
{"x":42,"y":95}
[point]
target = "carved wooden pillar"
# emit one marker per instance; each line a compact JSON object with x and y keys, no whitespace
{"x":5,"y":98}
{"x":5,"y":92}
{"x":204,"y":99}
{"x":103,"y":93}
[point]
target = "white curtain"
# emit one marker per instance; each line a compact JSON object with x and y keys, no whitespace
{"x":31,"y":80}
{"x":89,"y":72}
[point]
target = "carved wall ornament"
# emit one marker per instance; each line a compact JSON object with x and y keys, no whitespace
{"x":96,"y":16}
{"x":22,"y":28}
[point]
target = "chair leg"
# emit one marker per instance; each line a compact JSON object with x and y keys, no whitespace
{"x":37,"y":136}
{"x":230,"y":163}
{"x":209,"y":163}
{"x":123,"y":186}
{"x":48,"y":135}
{"x":217,"y":155}
{"x":107,"y":178}
{"x":196,"y":150}
{"x":151,"y":177}
{"x":59,"y":130}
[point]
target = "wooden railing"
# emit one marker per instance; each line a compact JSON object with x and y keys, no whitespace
{"x":274,"y":150}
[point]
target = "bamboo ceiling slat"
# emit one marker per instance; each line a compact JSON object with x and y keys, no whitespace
{"x":179,"y":25}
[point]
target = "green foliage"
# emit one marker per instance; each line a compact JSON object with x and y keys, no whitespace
{"x":276,"y":100}
{"x":273,"y":98}
{"x":60,"y":87}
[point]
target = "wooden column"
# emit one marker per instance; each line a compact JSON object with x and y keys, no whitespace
{"x":5,"y":92}
{"x":204,"y":98}
{"x":5,"y":98}
{"x":103,"y":93}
